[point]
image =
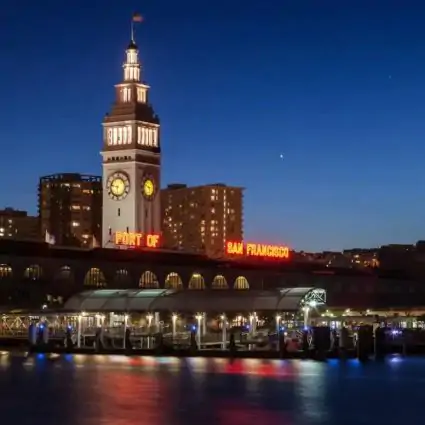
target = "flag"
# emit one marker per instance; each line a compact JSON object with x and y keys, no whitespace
{"x":137,"y":17}
{"x":95,"y":243}
{"x":50,"y":239}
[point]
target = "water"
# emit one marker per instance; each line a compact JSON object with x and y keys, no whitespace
{"x":112,"y":390}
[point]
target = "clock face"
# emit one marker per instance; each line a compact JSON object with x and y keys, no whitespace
{"x":148,"y":188}
{"x":118,"y":186}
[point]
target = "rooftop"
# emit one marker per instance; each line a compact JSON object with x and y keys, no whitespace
{"x":210,"y":301}
{"x":178,"y":186}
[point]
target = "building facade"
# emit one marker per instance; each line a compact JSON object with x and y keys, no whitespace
{"x":202,"y":218}
{"x":16,"y":224}
{"x":131,"y":158}
{"x":70,"y":209}
{"x":31,"y":273}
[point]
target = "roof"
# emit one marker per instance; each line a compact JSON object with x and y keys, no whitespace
{"x":10,"y":248}
{"x":103,"y":300}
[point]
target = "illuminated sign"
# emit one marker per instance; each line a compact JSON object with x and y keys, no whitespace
{"x":136,"y":240}
{"x":256,"y":250}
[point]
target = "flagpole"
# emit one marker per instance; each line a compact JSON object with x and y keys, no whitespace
{"x":136,"y":18}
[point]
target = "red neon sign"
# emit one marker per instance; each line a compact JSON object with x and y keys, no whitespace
{"x":136,"y":240}
{"x":258,"y":250}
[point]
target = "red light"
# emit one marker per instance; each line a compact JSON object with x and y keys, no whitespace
{"x":259,"y":250}
{"x":136,"y":239}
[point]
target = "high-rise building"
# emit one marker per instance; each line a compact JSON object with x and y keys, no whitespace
{"x":131,"y":157}
{"x":201,"y":218}
{"x":70,"y":208}
{"x":16,"y":224}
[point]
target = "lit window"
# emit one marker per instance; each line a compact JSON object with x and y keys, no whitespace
{"x":75,"y":207}
{"x":75,"y":224}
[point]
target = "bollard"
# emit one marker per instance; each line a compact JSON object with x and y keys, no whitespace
{"x":98,"y":346}
{"x":159,"y":343}
{"x":127,"y":336}
{"x":379,"y":343}
{"x":45,"y":335}
{"x":405,"y":334}
{"x":321,"y":341}
{"x":232,"y":345}
{"x":193,"y":343}
{"x":364,"y":342}
{"x":32,"y":335}
{"x":283,"y":351}
{"x":343,"y":343}
{"x":68,"y":338}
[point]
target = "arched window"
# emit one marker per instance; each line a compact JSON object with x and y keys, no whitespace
{"x":64,"y":273}
{"x":196,"y":282}
{"x":148,"y":280}
{"x":122,"y":277}
{"x":95,"y":277}
{"x":33,"y":272}
{"x":5,"y":271}
{"x":219,"y":282}
{"x":173,"y":281}
{"x":241,"y":283}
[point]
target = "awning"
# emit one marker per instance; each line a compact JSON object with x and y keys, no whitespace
{"x":143,"y":300}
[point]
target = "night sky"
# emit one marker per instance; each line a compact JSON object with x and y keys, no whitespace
{"x":337,"y":87}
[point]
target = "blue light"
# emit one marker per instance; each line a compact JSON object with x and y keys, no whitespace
{"x":69,"y":327}
{"x":306,"y":328}
{"x":282,"y":328}
{"x":41,"y":326}
{"x":193,"y":328}
{"x":247,"y":327}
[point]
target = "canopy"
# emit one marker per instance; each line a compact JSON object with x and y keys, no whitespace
{"x":140,"y":300}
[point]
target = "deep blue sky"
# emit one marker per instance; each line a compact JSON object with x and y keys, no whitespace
{"x":338,"y":87}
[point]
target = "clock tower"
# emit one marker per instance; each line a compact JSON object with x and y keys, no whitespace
{"x":131,"y":157}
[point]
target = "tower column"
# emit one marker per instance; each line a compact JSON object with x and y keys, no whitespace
{"x":131,"y":159}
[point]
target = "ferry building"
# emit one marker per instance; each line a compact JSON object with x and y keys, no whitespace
{"x":131,"y":257}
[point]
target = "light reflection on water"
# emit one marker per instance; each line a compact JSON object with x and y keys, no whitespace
{"x":106,"y":390}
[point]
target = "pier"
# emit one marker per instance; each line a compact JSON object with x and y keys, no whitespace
{"x":288,"y":322}
{"x":140,"y":320}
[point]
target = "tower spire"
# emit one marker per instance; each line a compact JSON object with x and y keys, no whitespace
{"x":132,"y":65}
